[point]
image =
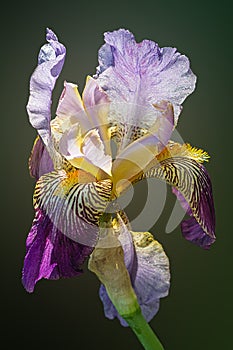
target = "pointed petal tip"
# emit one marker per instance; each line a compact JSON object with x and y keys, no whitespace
{"x":50,"y":35}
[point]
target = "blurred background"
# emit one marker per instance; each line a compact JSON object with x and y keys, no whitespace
{"x":68,"y":313}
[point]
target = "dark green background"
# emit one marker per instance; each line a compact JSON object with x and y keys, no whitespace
{"x":68,"y":314}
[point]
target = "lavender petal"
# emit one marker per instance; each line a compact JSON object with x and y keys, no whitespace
{"x":138,"y":75}
{"x":148,"y":267}
{"x":50,"y":62}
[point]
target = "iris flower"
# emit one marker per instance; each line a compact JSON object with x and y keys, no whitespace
{"x":134,"y":99}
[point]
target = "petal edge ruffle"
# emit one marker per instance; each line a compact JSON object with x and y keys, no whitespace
{"x":50,"y":62}
{"x":139,"y":75}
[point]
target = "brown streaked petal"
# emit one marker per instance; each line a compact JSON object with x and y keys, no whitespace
{"x":178,"y":166}
{"x":73,"y":206}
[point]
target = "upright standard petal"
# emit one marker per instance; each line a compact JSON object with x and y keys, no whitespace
{"x":138,"y":75}
{"x":50,"y":254}
{"x":70,"y":108}
{"x":88,"y":112}
{"x":50,"y":62}
{"x":180,"y":166}
{"x":148,"y":267}
{"x":96,"y":103}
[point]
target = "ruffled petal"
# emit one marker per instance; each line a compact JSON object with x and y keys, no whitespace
{"x":138,"y":75}
{"x":40,"y":162}
{"x":50,"y":254}
{"x":74,"y":202}
{"x":148,"y":267}
{"x":50,"y":62}
{"x":179,"y":165}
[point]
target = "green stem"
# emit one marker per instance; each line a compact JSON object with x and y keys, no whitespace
{"x":143,"y":331}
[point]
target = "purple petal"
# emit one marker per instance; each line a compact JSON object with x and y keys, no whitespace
{"x":50,"y":254}
{"x":149,"y":271}
{"x":40,"y":162}
{"x":194,"y":233}
{"x":191,"y":229}
{"x":138,"y":75}
{"x":50,"y":62}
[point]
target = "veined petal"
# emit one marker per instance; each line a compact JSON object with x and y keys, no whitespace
{"x":179,"y":165}
{"x":190,"y":228}
{"x":138,"y":75}
{"x":50,"y":254}
{"x":148,"y":267}
{"x":40,"y":162}
{"x":74,"y":202}
{"x":50,"y":62}
{"x":136,"y":156}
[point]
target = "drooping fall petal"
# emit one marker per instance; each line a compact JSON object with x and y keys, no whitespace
{"x":74,"y":202}
{"x":180,"y":166}
{"x":190,"y":228}
{"x":50,"y":254}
